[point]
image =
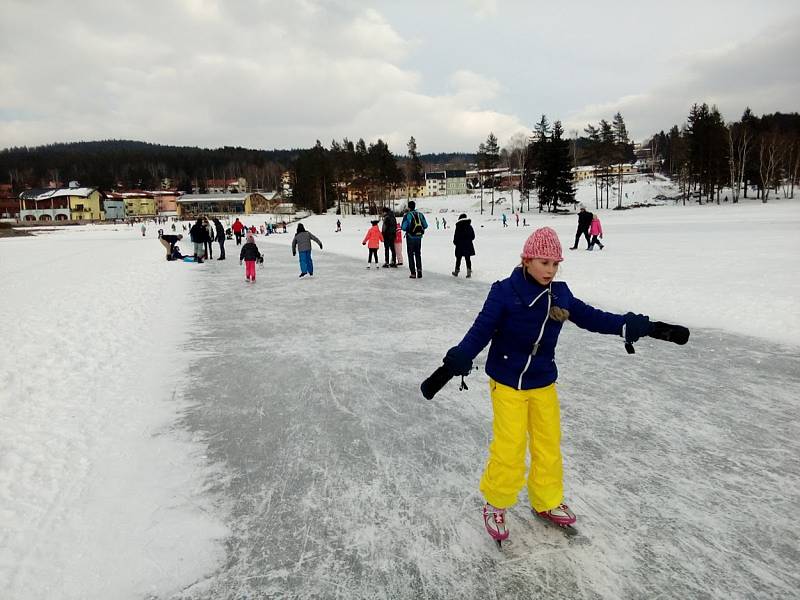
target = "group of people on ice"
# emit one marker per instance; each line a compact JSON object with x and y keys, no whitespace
{"x":521,"y":320}
{"x":588,"y":225}
{"x":414,"y":224}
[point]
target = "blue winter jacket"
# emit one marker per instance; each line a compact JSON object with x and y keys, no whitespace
{"x":515,"y":318}
{"x":406,"y":225}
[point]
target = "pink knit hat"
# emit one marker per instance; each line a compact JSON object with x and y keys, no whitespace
{"x":543,"y":243}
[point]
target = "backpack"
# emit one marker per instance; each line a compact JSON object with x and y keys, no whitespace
{"x":415,"y":227}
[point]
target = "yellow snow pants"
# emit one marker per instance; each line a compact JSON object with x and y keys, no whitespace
{"x":524,"y":418}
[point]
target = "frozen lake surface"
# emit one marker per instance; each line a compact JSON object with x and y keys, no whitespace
{"x":342,"y":481}
{"x":169,"y":431}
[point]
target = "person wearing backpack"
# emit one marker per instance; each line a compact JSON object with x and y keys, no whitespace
{"x":414,"y":224}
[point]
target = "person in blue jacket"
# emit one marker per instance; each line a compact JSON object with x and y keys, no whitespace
{"x":414,"y":224}
{"x":522,"y":318}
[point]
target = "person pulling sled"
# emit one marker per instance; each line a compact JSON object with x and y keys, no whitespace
{"x":522,"y":317}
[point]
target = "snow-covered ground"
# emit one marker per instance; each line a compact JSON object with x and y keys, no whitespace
{"x":167,"y":430}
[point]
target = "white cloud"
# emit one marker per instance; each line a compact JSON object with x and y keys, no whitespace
{"x":483,"y":8}
{"x":760,"y":72}
{"x":266,"y":74}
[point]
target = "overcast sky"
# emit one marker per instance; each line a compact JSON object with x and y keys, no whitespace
{"x":284,"y":73}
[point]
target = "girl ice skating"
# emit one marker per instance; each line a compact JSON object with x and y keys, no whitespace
{"x":595,"y":230}
{"x":522,"y":318}
{"x":250,"y":254}
{"x":373,"y":241}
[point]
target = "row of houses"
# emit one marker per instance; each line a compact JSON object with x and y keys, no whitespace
{"x":76,"y":203}
{"x":452,"y":182}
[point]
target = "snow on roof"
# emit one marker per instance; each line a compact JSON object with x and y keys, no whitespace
{"x":212,"y":198}
{"x":57,"y":193}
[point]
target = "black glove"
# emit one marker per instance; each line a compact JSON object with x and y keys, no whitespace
{"x":636,"y":326}
{"x":457,"y":361}
{"x":435,"y":382}
{"x":677,"y":334}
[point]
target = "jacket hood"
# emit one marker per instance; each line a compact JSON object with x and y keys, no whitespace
{"x":464,"y":220}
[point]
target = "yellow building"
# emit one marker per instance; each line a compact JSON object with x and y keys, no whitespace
{"x":403,"y":192}
{"x":85,"y":204}
{"x":140,"y":205}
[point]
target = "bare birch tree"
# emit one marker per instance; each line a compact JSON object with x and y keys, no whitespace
{"x":769,"y":158}
{"x":739,"y":137}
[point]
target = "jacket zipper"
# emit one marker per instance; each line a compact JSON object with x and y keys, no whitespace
{"x":541,"y":333}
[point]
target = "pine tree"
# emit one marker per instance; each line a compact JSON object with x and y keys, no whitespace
{"x":561,"y":165}
{"x":414,"y":174}
{"x":492,"y":157}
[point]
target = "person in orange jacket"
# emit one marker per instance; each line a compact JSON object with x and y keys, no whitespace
{"x":373,"y":241}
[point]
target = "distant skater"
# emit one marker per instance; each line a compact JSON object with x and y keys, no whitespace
{"x":414,"y":224}
{"x":302,"y":244}
{"x":462,"y":239}
{"x":220,"y":231}
{"x":212,"y":234}
{"x":398,"y":244}
{"x":373,"y":241}
{"x":595,"y":230}
{"x":238,"y":228}
{"x":250,"y":254}
{"x":198,"y":234}
{"x":388,"y":229}
{"x":584,"y":221}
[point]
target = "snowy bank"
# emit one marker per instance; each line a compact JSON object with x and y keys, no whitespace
{"x":100,"y":496}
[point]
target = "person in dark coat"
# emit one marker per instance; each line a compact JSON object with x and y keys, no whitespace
{"x":199,"y":235}
{"x":462,"y":239}
{"x":220,"y":238}
{"x":584,"y":222}
{"x":389,"y":230}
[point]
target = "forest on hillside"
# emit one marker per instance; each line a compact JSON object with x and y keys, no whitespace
{"x":704,"y":155}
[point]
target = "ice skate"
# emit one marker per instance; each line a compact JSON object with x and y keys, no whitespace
{"x":561,"y":516}
{"x":455,"y":273}
{"x":494,"y":520}
{"x":469,"y":273}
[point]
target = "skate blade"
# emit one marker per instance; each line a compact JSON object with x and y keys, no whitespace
{"x":567,"y":530}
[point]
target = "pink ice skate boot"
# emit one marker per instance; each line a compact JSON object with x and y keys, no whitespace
{"x":561,"y":515}
{"x":495,"y":521}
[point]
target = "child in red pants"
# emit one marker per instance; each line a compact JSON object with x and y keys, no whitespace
{"x":250,"y":255}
